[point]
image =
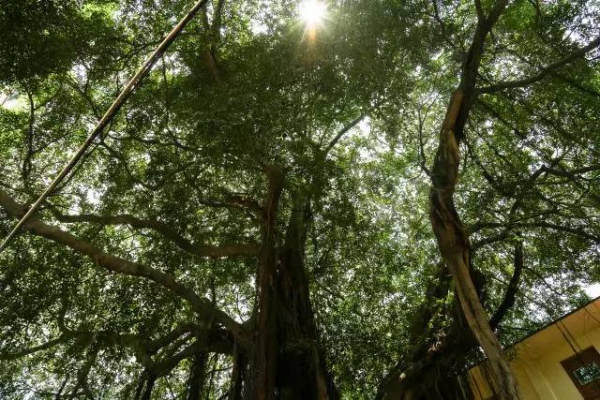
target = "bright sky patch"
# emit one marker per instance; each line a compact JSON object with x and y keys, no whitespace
{"x":312,"y":12}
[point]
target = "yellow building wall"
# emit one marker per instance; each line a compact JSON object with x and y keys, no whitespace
{"x":482,"y":391}
{"x":549,"y":367}
{"x":537,"y":360}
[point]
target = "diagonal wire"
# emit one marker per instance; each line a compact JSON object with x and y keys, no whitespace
{"x":106,"y":118}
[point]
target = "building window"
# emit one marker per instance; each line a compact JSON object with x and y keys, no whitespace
{"x":584,"y":370}
{"x":588,"y":373}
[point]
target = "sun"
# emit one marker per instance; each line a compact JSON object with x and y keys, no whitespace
{"x":312,"y":12}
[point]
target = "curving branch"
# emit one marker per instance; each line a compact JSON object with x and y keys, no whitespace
{"x":544,"y":71}
{"x":44,"y":346}
{"x":201,"y":305}
{"x":578,"y":231}
{"x":210,"y":340}
{"x":470,"y":71}
{"x":443,"y":28}
{"x":212,"y":37}
{"x":452,"y":237}
{"x":202,"y":250}
{"x":215,"y":29}
{"x":569,"y":81}
{"x":572,"y":173}
{"x":83,"y":375}
{"x":573,"y":83}
{"x":155,"y":345}
{"x":511,"y":291}
{"x":342,"y":132}
{"x":236,"y":201}
{"x":164,"y":366}
{"x":503,"y":235}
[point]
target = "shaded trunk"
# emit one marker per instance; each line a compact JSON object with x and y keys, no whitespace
{"x":288,"y":362}
{"x":238,"y":374}
{"x":302,"y":372}
{"x":433,"y":369}
{"x":197,"y":377}
{"x":266,"y":338}
{"x":145,"y":387}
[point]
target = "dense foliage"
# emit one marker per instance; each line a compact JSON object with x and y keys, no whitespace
{"x":259,"y":143}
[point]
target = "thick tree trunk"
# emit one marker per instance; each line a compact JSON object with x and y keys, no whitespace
{"x":434,"y":369}
{"x":266,"y":338}
{"x":454,"y":246}
{"x":238,"y":374}
{"x":302,"y":372}
{"x":288,"y":363}
{"x":419,"y":376}
{"x":448,"y":228}
{"x":197,"y":377}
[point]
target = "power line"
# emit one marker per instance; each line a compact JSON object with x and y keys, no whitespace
{"x":106,"y":118}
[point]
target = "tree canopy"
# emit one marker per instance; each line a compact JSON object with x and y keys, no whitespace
{"x":354,"y":207}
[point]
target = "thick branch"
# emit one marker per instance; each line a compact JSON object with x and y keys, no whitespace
{"x":265,"y":356}
{"x":83,"y":374}
{"x":480,"y":12}
{"x":165,"y":366}
{"x":571,"y":173}
{"x":25,"y":352}
{"x":227,"y":250}
{"x":235,"y":201}
{"x":157,"y":344}
{"x":215,"y":29}
{"x":121,"y":266}
{"x":208,"y":340}
{"x":196,"y":377}
{"x":471,"y":66}
{"x":503,"y":235}
{"x":443,"y":29}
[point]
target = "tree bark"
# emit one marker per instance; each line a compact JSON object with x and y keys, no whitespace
{"x":455,"y":248}
{"x":432,"y":370}
{"x":145,"y":387}
{"x":266,"y":338}
{"x":237,"y":374}
{"x":303,"y":373}
{"x":288,"y":362}
{"x":197,"y":377}
{"x":451,"y":235}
